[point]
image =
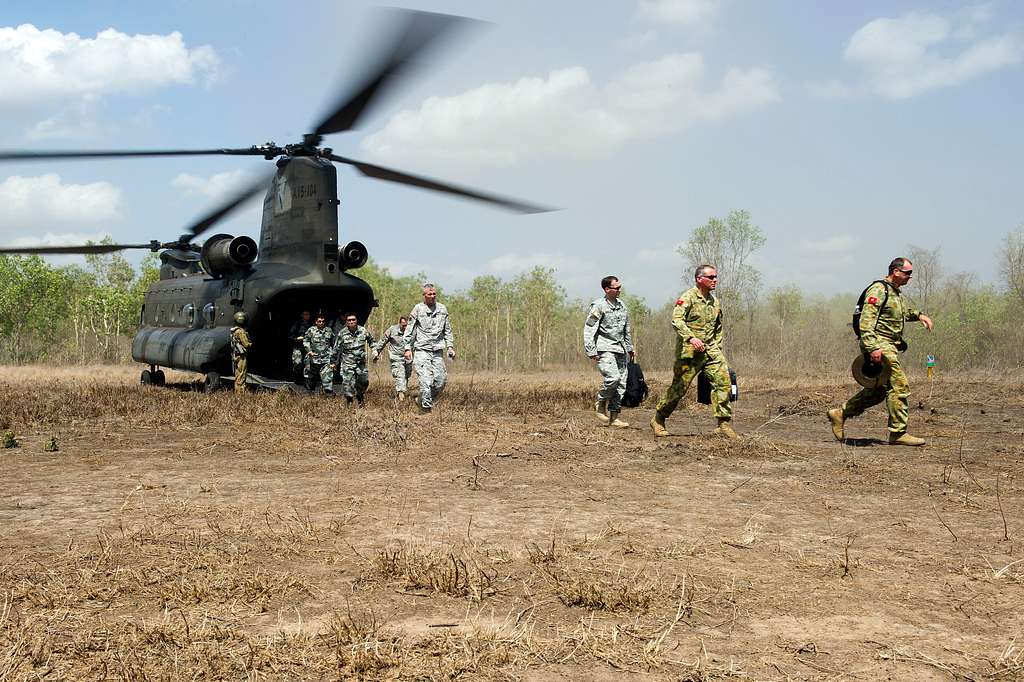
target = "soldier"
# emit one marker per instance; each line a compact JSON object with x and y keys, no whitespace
{"x":883,"y":316}
{"x":300,"y":361}
{"x":428,"y":333}
{"x":607,"y":339}
{"x":350,"y":351}
{"x":697,"y":318}
{"x":319,"y":346}
{"x":401,"y":369}
{"x":240,"y":345}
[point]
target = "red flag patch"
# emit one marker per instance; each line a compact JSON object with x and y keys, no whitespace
{"x":680,"y":301}
{"x":872,"y":300}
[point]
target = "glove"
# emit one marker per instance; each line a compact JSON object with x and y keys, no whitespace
{"x":374,"y":356}
{"x":451,"y":353}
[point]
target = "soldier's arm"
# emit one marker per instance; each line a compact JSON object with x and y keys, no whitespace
{"x":718,"y":330}
{"x":869,"y":313}
{"x":370,"y":340}
{"x":246,"y":341}
{"x":379,"y":346}
{"x":410,"y":331}
{"x":449,"y":337}
{"x":305,"y":341}
{"x":628,"y":335}
{"x":590,"y":328}
{"x":913,"y":314}
{"x":679,"y":319}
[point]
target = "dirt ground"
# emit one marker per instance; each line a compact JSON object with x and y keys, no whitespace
{"x":509,"y":535}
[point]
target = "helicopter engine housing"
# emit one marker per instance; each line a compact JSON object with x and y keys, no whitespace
{"x":353,"y":255}
{"x":223,"y":253}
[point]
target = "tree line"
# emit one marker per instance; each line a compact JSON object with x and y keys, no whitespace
{"x":87,"y":314}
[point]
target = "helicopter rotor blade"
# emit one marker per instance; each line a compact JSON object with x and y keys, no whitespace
{"x":86,"y":249}
{"x":416,"y":33}
{"x":230,"y":204}
{"x":381,"y":173}
{"x":25,"y":155}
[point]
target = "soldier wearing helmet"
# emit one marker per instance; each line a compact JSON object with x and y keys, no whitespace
{"x":240,"y":345}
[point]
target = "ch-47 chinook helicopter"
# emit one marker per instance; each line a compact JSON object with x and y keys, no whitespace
{"x":299,"y":262}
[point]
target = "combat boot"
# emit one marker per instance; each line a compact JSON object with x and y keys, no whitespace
{"x":424,"y":410}
{"x":904,"y":438}
{"x":601,"y":407}
{"x":359,"y":400}
{"x":658,"y":424}
{"x":837,"y":418}
{"x":725,"y":430}
{"x":348,"y":399}
{"x":613,"y":420}
{"x":401,"y":396}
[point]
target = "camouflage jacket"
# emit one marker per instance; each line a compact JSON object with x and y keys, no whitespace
{"x":607,"y":328}
{"x":883,"y":324}
{"x":240,"y":343}
{"x":696,"y":315}
{"x":394,"y":338}
{"x":320,"y":342}
{"x":429,"y":329}
{"x":351,"y":345}
{"x":298,"y":332}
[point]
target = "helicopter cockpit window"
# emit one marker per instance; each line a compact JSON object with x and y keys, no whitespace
{"x":210,"y":314}
{"x":189,"y":313}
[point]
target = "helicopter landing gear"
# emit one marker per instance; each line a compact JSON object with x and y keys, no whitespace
{"x":153,"y":376}
{"x":158,"y":378}
{"x":211,"y":383}
{"x":147,"y":377}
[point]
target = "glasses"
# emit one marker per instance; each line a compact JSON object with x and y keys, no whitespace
{"x":615,"y":288}
{"x":908,"y":273}
{"x":710,"y":276}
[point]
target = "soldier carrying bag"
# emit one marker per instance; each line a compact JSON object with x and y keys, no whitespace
{"x":636,"y":386}
{"x":704,"y":388}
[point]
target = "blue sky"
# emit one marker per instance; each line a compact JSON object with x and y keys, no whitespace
{"x":848,"y":130}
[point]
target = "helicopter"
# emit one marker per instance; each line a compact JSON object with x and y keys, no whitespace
{"x":298,"y":264}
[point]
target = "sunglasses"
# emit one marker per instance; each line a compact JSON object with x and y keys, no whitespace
{"x":710,"y":276}
{"x":615,"y":288}
{"x":908,"y":273}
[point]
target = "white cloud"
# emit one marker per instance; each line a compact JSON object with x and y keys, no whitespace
{"x":216,"y":186}
{"x":59,"y":239}
{"x":44,"y":201}
{"x":637,"y":40}
{"x":565,"y":113}
{"x":683,"y":12}
{"x":920,"y":51}
{"x":47,"y":65}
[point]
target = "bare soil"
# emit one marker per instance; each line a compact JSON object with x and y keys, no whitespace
{"x":508,"y":535}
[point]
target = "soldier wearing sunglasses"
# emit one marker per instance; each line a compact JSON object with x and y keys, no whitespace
{"x":697,"y":319}
{"x":883,"y":317}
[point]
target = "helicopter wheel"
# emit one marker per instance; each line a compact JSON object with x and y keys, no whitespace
{"x":158,"y":378}
{"x":212,"y":382}
{"x":147,"y":377}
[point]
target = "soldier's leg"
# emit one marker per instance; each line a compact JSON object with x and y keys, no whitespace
{"x":347,"y":373}
{"x":313,"y":375}
{"x":398,"y":374}
{"x":717,"y":372}
{"x":683,"y":372}
{"x":440,"y":374}
{"x":327,"y":378}
{"x":424,"y":365}
{"x":865,"y":398}
{"x":609,"y":369}
{"x":898,"y":393}
{"x":297,"y":363}
{"x":241,"y":373}
{"x":615,"y":398}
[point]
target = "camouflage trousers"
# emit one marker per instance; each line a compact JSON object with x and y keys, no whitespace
{"x":354,"y":377}
{"x":612,"y":367}
{"x":431,"y":373}
{"x":401,"y":372}
{"x":241,"y":367}
{"x":685,"y":370}
{"x":323,"y":372}
{"x":300,"y":363}
{"x":895,"y":394}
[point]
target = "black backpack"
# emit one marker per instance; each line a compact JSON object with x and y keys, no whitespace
{"x":704,"y":388}
{"x":636,"y":386}
{"x":860,"y":304}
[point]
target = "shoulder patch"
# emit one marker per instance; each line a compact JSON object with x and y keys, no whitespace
{"x":680,"y":301}
{"x":872,"y":300}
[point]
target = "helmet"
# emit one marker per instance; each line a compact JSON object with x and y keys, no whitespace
{"x":240,"y":317}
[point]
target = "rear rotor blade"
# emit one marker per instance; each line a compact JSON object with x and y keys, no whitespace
{"x":233,"y":202}
{"x":390,"y":175}
{"x":83,"y":249}
{"x":416,"y":33}
{"x":24,"y":155}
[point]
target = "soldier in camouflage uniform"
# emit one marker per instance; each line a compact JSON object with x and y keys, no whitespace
{"x":607,"y":340}
{"x":319,"y":346}
{"x":428,"y":334}
{"x":350,"y":352}
{"x":300,"y":361}
{"x":240,"y":345}
{"x":697,"y":318}
{"x":401,"y":369}
{"x":883,"y":318}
